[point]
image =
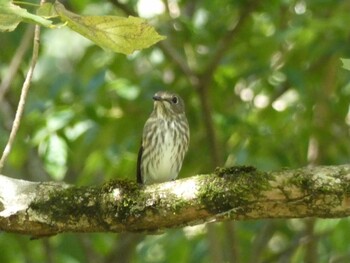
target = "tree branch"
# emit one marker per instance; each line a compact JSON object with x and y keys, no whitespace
{"x":226,"y":41}
{"x":239,"y":193}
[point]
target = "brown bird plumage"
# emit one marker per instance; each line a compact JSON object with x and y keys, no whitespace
{"x":165,"y":140}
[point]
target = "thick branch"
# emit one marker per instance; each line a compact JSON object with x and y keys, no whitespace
{"x":238,"y":193}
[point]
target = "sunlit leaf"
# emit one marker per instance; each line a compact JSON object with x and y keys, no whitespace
{"x":119,"y":34}
{"x":346,"y":63}
{"x":124,"y":88}
{"x":9,"y":23}
{"x":8,"y":19}
{"x":11,"y":15}
{"x":55,"y":157}
{"x":73,"y":132}
{"x":59,"y":120}
{"x":47,"y":10}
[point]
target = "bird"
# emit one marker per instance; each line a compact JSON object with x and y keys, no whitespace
{"x":165,"y":140}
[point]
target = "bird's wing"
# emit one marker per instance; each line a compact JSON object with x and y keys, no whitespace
{"x":138,"y":168}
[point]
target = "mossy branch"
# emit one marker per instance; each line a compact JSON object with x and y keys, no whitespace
{"x":238,"y":193}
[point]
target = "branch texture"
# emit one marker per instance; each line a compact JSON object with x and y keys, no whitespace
{"x":239,"y":193}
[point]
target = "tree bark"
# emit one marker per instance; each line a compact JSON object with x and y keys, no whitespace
{"x":239,"y":193}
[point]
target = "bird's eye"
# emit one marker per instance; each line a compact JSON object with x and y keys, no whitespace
{"x":175,"y":100}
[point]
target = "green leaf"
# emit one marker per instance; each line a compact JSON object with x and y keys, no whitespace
{"x":124,"y":88}
{"x":9,"y":23}
{"x":47,"y":10}
{"x":56,"y":157}
{"x":346,"y":63}
{"x":11,"y":15}
{"x":119,"y":34}
{"x":8,"y":19}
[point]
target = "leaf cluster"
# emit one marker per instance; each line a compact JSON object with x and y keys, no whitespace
{"x":119,"y":34}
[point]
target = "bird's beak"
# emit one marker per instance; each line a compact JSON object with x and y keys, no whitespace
{"x":157,"y":98}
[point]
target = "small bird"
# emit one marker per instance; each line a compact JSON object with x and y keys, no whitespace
{"x":165,"y":140}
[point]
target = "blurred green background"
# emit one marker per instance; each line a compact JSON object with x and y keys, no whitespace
{"x":263,"y":86}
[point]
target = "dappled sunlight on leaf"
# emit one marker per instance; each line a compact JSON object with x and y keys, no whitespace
{"x":119,"y":34}
{"x":346,"y":63}
{"x":47,"y":10}
{"x":54,"y":151}
{"x":124,"y":88}
{"x":11,"y":15}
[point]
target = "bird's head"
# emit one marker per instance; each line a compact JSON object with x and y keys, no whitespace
{"x":168,"y":104}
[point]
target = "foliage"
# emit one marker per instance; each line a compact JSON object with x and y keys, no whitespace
{"x":346,"y":63}
{"x":119,"y":34}
{"x":278,"y":97}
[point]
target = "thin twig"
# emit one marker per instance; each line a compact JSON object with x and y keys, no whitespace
{"x":22,"y":100}
{"x":176,"y":57}
{"x":16,"y":61}
{"x":165,"y":46}
{"x":261,"y":240}
{"x":226,"y":41}
{"x":205,"y":81}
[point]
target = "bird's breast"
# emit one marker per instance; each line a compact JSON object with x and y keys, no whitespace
{"x":164,"y":161}
{"x":164,"y":167}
